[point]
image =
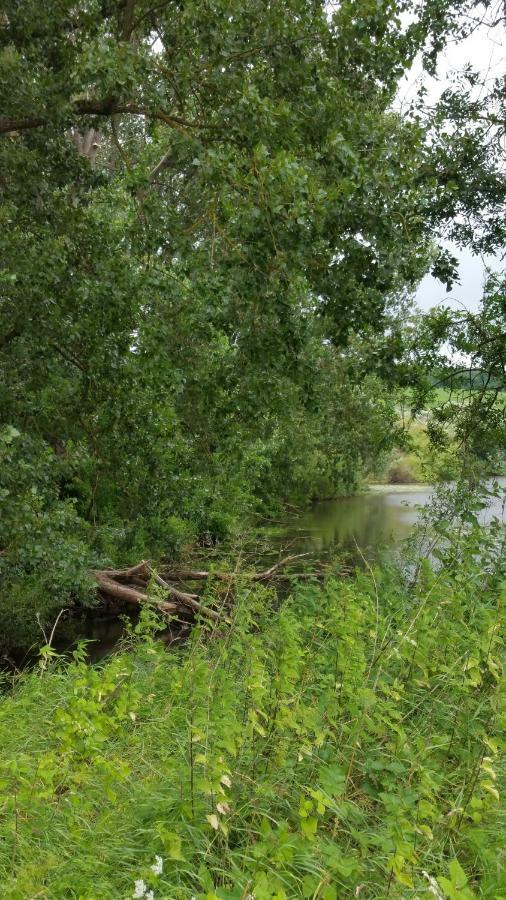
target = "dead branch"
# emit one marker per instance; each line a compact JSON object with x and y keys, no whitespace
{"x":111,"y":583}
{"x":196,"y":575}
{"x":130,"y":585}
{"x":141,"y":568}
{"x":120,"y":591}
{"x":203,"y":575}
{"x":190,"y":600}
{"x":268,"y":573}
{"x":130,"y":594}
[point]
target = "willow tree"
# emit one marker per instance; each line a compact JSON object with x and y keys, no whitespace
{"x":203,"y":203}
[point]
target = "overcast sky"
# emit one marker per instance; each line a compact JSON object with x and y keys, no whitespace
{"x":466,"y":294}
{"x":485,"y":49}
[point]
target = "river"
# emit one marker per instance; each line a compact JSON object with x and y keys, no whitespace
{"x":380,"y":517}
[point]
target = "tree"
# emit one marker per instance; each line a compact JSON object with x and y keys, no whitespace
{"x":466,"y":139}
{"x":206,"y":209}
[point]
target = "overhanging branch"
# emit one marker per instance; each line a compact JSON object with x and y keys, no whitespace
{"x":9,"y":124}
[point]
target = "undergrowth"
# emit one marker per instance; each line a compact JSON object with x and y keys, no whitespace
{"x":346,"y":743}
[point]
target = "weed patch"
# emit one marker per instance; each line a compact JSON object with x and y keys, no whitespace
{"x":346,"y":744}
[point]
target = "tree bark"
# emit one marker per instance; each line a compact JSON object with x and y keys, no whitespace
{"x":130,"y":585}
{"x":8,"y":124}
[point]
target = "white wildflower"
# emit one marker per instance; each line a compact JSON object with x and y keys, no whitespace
{"x":157,"y":866}
{"x":140,"y":889}
{"x":433,"y":886}
{"x":150,"y":895}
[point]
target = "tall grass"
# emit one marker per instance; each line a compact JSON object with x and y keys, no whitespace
{"x":346,"y":743}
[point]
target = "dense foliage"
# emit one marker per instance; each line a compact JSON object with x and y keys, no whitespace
{"x":211,"y":218}
{"x":348,"y":744}
{"x":473,"y":367}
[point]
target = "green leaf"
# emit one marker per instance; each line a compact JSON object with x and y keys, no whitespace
{"x":457,"y":874}
{"x":309,"y":827}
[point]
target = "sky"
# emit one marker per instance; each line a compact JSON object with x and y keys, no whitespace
{"x":472,"y":270}
{"x":485,"y":49}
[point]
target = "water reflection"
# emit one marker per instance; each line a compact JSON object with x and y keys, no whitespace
{"x":381,"y":517}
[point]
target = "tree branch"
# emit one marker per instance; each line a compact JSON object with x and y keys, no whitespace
{"x":8,"y":124}
{"x":130,"y":594}
{"x":70,"y":358}
{"x":164,"y":162}
{"x":128,"y":20}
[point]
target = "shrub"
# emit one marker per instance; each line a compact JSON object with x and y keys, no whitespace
{"x":45,"y":556}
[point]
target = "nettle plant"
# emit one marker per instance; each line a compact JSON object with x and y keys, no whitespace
{"x":347,"y":742}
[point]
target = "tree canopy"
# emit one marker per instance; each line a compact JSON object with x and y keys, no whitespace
{"x":211,"y":217}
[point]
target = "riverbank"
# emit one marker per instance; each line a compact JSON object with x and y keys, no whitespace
{"x":353,"y":529}
{"x":416,"y":487}
{"x":417,"y":459}
{"x":308,"y":750}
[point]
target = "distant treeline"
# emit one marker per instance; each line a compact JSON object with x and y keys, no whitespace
{"x":473,"y":379}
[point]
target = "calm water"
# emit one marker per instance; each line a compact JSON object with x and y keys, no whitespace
{"x":371,"y":519}
{"x":381,"y":517}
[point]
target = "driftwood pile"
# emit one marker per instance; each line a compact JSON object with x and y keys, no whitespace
{"x":130,"y":586}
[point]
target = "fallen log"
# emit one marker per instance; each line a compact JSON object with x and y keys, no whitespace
{"x":131,"y":585}
{"x":190,"y":600}
{"x":130,"y":594}
{"x":179,"y":602}
{"x":125,"y":574}
{"x":204,"y":574}
{"x":120,"y":591}
{"x":196,"y":575}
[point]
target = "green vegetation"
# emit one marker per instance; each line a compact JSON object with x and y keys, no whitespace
{"x":214,"y":215}
{"x":212,"y":221}
{"x":431,"y":454}
{"x":351,"y":741}
{"x":419,"y":461}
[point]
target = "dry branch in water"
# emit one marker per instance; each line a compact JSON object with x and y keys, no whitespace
{"x":203,"y":574}
{"x":131,"y":585}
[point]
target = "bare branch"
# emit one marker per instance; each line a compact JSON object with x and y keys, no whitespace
{"x":163,"y":164}
{"x":8,"y":124}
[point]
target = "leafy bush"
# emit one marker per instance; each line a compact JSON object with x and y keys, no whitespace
{"x":45,"y":556}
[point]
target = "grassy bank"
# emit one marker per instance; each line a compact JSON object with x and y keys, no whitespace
{"x":346,"y":744}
